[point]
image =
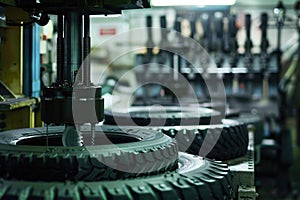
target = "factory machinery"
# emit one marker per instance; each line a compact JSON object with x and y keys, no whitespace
{"x":75,"y":157}
{"x":250,"y":79}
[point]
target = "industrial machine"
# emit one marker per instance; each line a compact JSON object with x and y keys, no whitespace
{"x":62,"y":160}
{"x":253,"y":82}
{"x":17,"y":109}
{"x":77,"y":156}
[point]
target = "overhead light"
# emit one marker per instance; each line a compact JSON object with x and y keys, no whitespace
{"x":191,"y":2}
{"x":106,"y":16}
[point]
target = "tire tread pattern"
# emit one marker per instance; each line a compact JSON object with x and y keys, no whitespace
{"x":232,"y":143}
{"x":211,"y":181}
{"x":79,"y":164}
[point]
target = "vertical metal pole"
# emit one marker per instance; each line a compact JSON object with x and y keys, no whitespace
{"x":73,"y":46}
{"x":47,"y":137}
{"x":285,"y":150}
{"x":279,"y":13}
{"x":177,"y":58}
{"x":28,"y":62}
{"x":278,"y":49}
{"x":60,"y":48}
{"x":86,"y":51}
{"x":282,"y":94}
{"x":298,"y":109}
{"x":66,"y":68}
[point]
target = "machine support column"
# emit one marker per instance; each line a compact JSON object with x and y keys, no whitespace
{"x":86,"y":51}
{"x":73,"y":46}
{"x":60,"y":48}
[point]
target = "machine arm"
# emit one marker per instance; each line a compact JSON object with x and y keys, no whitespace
{"x":92,"y":7}
{"x":73,"y":100}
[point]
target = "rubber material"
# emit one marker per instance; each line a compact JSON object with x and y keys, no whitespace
{"x":232,"y":139}
{"x":197,"y":178}
{"x":145,"y":153}
{"x":172,"y":116}
{"x":252,"y":120}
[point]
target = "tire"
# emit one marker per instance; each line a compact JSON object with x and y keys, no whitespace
{"x":232,"y":139}
{"x":252,"y":120}
{"x":24,"y":156}
{"x":232,"y":143}
{"x":173,"y":116}
{"x":196,"y":178}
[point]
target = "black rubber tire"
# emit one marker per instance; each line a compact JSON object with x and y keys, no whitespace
{"x":197,"y":178}
{"x":254,"y":120}
{"x":153,"y":153}
{"x":232,"y":142}
{"x":171,"y":117}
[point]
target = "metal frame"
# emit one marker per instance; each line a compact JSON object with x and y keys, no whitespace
{"x":242,"y":172}
{"x":32,"y":66}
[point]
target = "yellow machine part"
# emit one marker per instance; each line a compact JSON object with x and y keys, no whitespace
{"x":11,"y":60}
{"x":19,"y":118}
{"x":11,"y":73}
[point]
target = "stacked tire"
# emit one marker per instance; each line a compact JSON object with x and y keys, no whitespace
{"x":231,"y":136}
{"x":31,"y":170}
{"x":228,"y":138}
{"x":253,"y":120}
